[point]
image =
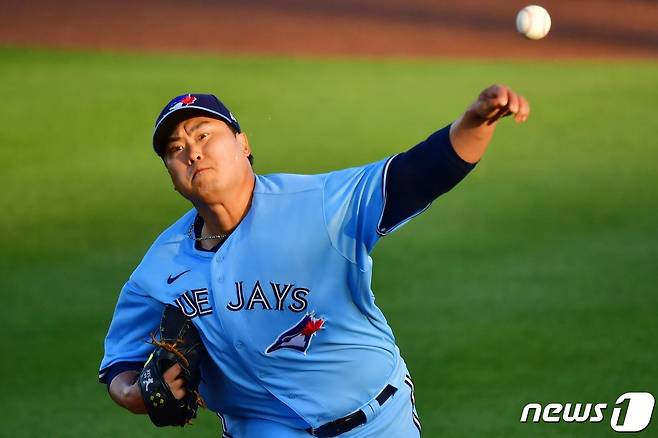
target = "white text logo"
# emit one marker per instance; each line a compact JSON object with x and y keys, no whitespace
{"x":632,"y":412}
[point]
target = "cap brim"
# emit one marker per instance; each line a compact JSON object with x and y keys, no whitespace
{"x":164,"y":128}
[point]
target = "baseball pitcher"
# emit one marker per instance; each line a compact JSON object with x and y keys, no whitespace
{"x":257,"y":303}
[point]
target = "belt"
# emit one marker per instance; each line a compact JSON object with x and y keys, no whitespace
{"x":345,"y":424}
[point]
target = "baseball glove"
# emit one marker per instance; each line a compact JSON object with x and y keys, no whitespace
{"x":179,"y":343}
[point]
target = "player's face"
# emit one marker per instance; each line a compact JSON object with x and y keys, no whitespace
{"x":206,"y":161}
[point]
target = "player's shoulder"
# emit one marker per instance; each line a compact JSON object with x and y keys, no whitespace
{"x":167,"y":244}
{"x":176,"y":232}
{"x":339,"y":180}
{"x":287,"y":183}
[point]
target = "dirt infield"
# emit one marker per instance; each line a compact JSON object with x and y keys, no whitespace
{"x":405,"y":28}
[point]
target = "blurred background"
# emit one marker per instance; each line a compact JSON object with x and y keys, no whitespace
{"x":534,"y":280}
{"x":409,"y":28}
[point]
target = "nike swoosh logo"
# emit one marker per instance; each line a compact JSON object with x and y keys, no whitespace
{"x":174,"y":278}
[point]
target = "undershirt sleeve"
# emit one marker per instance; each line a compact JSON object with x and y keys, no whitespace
{"x":117,"y":368}
{"x":418,"y":176}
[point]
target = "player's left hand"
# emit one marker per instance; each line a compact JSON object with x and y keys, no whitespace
{"x":500,"y":101}
{"x":170,"y":392}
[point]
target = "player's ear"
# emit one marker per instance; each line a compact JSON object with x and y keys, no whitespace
{"x":244,"y":143}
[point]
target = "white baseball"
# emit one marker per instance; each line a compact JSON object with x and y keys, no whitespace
{"x":533,"y":22}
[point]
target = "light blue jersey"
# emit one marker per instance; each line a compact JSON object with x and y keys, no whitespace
{"x":285,"y":306}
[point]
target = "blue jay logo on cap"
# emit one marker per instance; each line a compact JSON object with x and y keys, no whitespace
{"x":299,"y":336}
{"x":184,"y":101}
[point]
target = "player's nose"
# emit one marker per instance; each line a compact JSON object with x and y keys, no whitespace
{"x":194,"y":153}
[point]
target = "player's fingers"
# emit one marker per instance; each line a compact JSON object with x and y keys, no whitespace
{"x":177,"y":388}
{"x":512,"y":102}
{"x":490,"y":100}
{"x":524,"y":109}
{"x":500,"y":112}
{"x":172,"y":373}
{"x":498,"y":95}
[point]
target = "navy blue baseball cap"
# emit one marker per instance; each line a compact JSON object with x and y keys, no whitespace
{"x":187,"y":106}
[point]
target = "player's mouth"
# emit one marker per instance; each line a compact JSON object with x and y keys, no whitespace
{"x":198,"y":171}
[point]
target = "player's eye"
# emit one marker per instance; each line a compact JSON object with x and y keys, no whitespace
{"x":174,"y":148}
{"x":204,"y":135}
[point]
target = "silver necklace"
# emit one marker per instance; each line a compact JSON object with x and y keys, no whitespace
{"x":190,"y":234}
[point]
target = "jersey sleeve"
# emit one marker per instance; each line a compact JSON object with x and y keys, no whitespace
{"x":353,"y":202}
{"x":136,"y":316}
{"x":364,"y":203}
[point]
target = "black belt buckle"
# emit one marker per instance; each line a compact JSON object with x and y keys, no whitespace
{"x":345,"y":424}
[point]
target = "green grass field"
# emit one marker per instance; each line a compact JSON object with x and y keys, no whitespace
{"x":535,"y":280}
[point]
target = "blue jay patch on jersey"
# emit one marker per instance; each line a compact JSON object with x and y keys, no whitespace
{"x":299,"y":336}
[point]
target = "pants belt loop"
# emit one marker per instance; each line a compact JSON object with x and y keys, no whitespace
{"x":371,"y":410}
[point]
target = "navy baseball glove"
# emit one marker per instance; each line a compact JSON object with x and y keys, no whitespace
{"x":179,"y":343}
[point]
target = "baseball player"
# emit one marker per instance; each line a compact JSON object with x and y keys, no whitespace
{"x":275,"y":274}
